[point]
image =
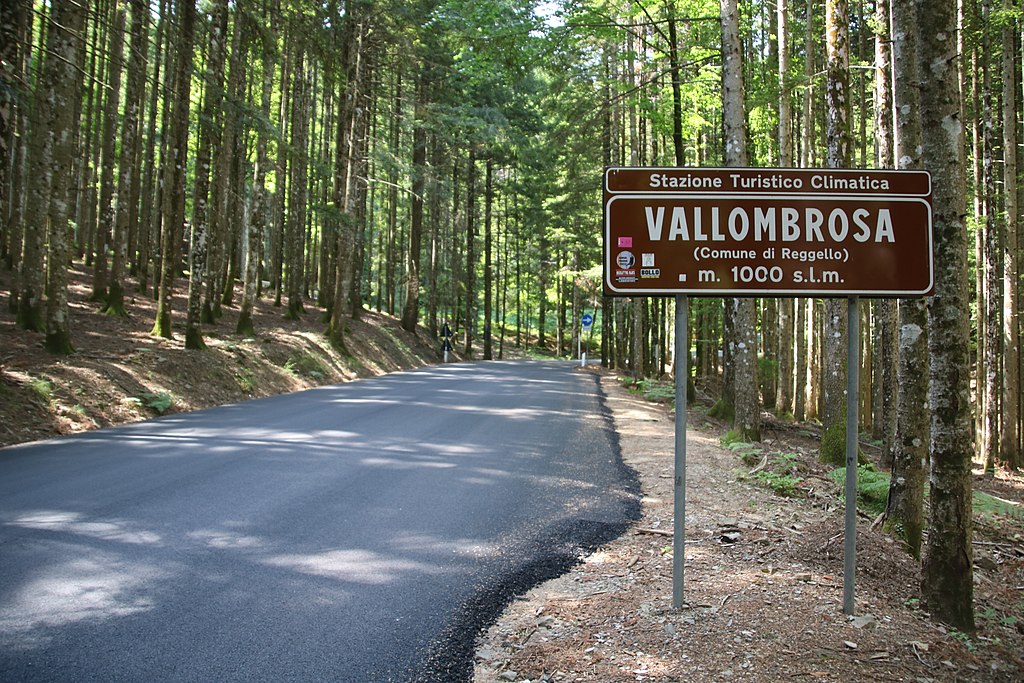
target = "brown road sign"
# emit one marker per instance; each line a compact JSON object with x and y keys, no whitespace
{"x":802,"y":239}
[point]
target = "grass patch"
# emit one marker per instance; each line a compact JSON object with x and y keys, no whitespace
{"x":784,"y":485}
{"x":989,"y":506}
{"x":246,"y":380}
{"x":42,"y":387}
{"x":872,"y":487}
{"x":305,"y":364}
{"x":159,"y":403}
{"x":775,"y":472}
{"x":655,"y":391}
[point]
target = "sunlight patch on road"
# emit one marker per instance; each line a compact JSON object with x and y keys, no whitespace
{"x":94,"y":588}
{"x":74,"y":523}
{"x":353,"y":566}
{"x":224,"y":540}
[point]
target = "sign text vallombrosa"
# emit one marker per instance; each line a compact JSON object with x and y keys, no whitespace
{"x":767,"y":232}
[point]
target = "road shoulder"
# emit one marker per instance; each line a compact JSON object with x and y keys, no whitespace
{"x":763,"y":586}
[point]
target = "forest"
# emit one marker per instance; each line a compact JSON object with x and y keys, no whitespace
{"x":441,"y":161}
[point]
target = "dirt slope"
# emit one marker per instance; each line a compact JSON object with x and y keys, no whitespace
{"x":121,"y":374}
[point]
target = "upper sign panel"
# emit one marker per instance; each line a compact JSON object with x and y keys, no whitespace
{"x":767,"y":232}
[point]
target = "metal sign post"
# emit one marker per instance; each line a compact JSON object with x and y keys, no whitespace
{"x":767,"y":232}
{"x":852,"y":424}
{"x":679,"y":489}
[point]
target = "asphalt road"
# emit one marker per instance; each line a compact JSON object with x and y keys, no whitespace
{"x":362,"y":532}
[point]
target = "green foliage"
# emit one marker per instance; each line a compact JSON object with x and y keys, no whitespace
{"x":747,"y":452}
{"x":833,"y":446}
{"x":159,"y":403}
{"x":990,"y":506}
{"x":304,"y":364}
{"x":655,"y":390}
{"x":872,"y":487}
{"x":42,"y":387}
{"x":723,"y":410}
{"x":774,"y":471}
{"x":246,"y":380}
{"x":781,"y":484}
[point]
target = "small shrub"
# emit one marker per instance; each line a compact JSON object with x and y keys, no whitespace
{"x":833,"y":446}
{"x":872,"y":487}
{"x":749,"y":453}
{"x":723,"y":410}
{"x":246,"y":380}
{"x":305,"y":365}
{"x":42,"y":387}
{"x":781,"y":484}
{"x":158,"y":403}
{"x":653,"y":390}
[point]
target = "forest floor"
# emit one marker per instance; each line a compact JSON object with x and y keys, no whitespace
{"x":763,"y":570}
{"x":120,"y":374}
{"x":763,"y":587}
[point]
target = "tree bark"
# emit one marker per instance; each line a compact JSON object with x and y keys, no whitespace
{"x":837,"y":104}
{"x":208,"y":146}
{"x":111,"y":106}
{"x":411,"y":311}
{"x":905,"y":507}
{"x":15,"y":16}
{"x":471,"y":254}
{"x":61,"y":79}
{"x":261,"y":199}
{"x":298,"y":167}
{"x":744,"y":344}
{"x":947,"y":583}
{"x":173,"y":202}
{"x":1009,"y":448}
{"x":885,"y":346}
{"x":992,"y":336}
{"x":126,"y":217}
{"x":488,"y":259}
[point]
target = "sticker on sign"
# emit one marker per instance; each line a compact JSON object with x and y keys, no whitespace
{"x":767,"y":232}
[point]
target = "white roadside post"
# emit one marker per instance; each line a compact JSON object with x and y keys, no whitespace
{"x":587,"y":322}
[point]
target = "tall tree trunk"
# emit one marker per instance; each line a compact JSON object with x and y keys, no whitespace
{"x":1009,"y":450}
{"x":173,"y":202}
{"x":744,"y":343}
{"x":800,"y":390}
{"x":128,"y":170}
{"x":355,"y":27}
{"x":488,"y":259}
{"x":395,"y":140}
{"x":261,"y":199}
{"x":411,"y":311}
{"x":992,"y":337}
{"x":39,"y":178}
{"x":904,"y":512}
{"x":108,"y":207}
{"x":298,"y":167}
{"x":470,"y":253}
{"x":837,"y":103}
{"x":61,"y":80}
{"x":885,"y":346}
{"x":150,"y":213}
{"x":947,"y":583}
{"x":198,"y":244}
{"x":15,"y":16}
